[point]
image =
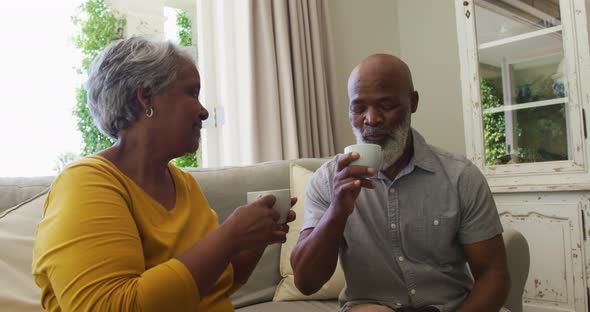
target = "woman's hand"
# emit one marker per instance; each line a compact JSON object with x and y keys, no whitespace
{"x":255,"y":225}
{"x":245,"y":262}
{"x":291,"y":215}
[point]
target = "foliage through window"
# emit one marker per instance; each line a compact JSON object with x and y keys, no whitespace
{"x":98,"y":25}
{"x":185,"y":39}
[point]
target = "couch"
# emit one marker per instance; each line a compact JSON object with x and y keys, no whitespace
{"x":225,"y":189}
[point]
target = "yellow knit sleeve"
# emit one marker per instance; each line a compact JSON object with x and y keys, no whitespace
{"x":89,"y":248}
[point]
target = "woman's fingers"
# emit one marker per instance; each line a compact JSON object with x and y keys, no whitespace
{"x":291,"y":216}
{"x":279,"y":237}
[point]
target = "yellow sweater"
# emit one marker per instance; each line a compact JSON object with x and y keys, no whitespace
{"x":104,"y":244}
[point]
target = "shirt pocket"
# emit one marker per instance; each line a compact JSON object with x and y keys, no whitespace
{"x":431,"y":240}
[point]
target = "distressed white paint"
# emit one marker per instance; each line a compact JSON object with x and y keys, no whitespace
{"x":553,"y":227}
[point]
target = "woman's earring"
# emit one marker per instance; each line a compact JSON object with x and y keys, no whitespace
{"x":149,"y":112}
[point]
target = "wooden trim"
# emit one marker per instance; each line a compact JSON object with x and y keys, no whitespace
{"x":507,"y":108}
{"x":525,"y":36}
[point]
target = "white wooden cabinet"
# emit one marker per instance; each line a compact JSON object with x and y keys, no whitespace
{"x":554,"y":229}
{"x":525,"y":72}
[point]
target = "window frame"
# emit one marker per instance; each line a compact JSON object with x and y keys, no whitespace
{"x":552,"y":175}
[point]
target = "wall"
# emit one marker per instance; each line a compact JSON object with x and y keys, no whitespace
{"x":359,"y":28}
{"x":422,"y":32}
{"x":428,"y":41}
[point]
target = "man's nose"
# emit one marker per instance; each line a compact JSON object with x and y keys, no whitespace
{"x":373,"y":117}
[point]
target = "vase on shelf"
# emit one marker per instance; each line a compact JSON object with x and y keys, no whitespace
{"x":559,"y":82}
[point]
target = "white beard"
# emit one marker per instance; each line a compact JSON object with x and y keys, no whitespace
{"x":394,"y":146}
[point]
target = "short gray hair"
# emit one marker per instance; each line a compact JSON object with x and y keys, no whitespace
{"x":120,"y":70}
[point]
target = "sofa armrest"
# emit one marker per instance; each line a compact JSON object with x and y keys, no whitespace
{"x":518,"y":256}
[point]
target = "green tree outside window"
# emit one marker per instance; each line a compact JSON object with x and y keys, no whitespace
{"x":98,"y":25}
{"x":185,"y":39}
{"x":494,"y":125}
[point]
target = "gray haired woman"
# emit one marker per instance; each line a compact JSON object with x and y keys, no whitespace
{"x":126,"y":230}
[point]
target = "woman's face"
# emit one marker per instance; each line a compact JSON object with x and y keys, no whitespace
{"x":178,"y":112}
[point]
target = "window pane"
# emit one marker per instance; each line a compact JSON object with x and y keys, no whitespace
{"x":541,"y":134}
{"x":523,"y":85}
{"x":537,"y":80}
{"x":499,"y":19}
{"x":528,"y":135}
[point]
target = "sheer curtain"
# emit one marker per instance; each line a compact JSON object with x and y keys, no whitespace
{"x":266,"y":70}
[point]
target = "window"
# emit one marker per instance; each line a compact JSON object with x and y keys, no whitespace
{"x":521,"y":65}
{"x":38,"y":132}
{"x":523,"y":90}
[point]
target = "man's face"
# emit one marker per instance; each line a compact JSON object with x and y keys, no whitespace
{"x":380,"y":112}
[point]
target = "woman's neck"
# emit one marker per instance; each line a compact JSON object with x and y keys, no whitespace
{"x":137,"y":159}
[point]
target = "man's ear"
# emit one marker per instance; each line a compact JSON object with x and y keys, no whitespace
{"x":144,"y":98}
{"x":414,"y":99}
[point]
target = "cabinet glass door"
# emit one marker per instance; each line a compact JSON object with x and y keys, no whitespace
{"x":522,"y":70}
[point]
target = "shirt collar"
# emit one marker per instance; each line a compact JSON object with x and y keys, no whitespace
{"x":423,"y":155}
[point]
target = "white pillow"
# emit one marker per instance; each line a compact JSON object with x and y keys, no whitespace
{"x":18,"y":291}
{"x":286,"y":289}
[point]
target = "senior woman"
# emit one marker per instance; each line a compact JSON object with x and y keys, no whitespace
{"x":124,"y":229}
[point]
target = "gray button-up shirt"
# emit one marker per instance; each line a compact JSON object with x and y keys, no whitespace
{"x":402,"y":244}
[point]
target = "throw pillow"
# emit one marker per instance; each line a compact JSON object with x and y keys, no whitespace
{"x":286,"y":289}
{"x":17,"y":233}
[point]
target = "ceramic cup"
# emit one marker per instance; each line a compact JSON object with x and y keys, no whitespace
{"x":371,"y":155}
{"x":282,"y":204}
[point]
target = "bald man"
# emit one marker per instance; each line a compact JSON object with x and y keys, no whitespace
{"x":405,"y":234}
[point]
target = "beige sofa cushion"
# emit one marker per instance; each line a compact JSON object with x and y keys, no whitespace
{"x":16,"y":190}
{"x":286,"y":289}
{"x":17,"y":232}
{"x":225,"y":189}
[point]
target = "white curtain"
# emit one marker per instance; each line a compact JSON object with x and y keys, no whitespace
{"x":266,"y":71}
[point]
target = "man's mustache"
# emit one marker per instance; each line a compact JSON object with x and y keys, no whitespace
{"x":375,"y":132}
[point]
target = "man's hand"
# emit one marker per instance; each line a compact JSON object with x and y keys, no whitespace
{"x":348,"y":182}
{"x":316,"y":254}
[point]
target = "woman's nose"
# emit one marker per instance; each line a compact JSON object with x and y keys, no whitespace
{"x":204,"y":114}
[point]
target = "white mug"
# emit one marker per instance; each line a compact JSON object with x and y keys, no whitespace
{"x":282,"y":204}
{"x":371,"y":155}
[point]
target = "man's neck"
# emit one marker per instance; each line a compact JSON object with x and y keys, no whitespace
{"x":403,"y":160}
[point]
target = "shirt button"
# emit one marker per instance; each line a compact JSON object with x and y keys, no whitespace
{"x":401,"y":259}
{"x":393,"y":226}
{"x":392,"y":190}
{"x":412,"y":291}
{"x":436,"y":222}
